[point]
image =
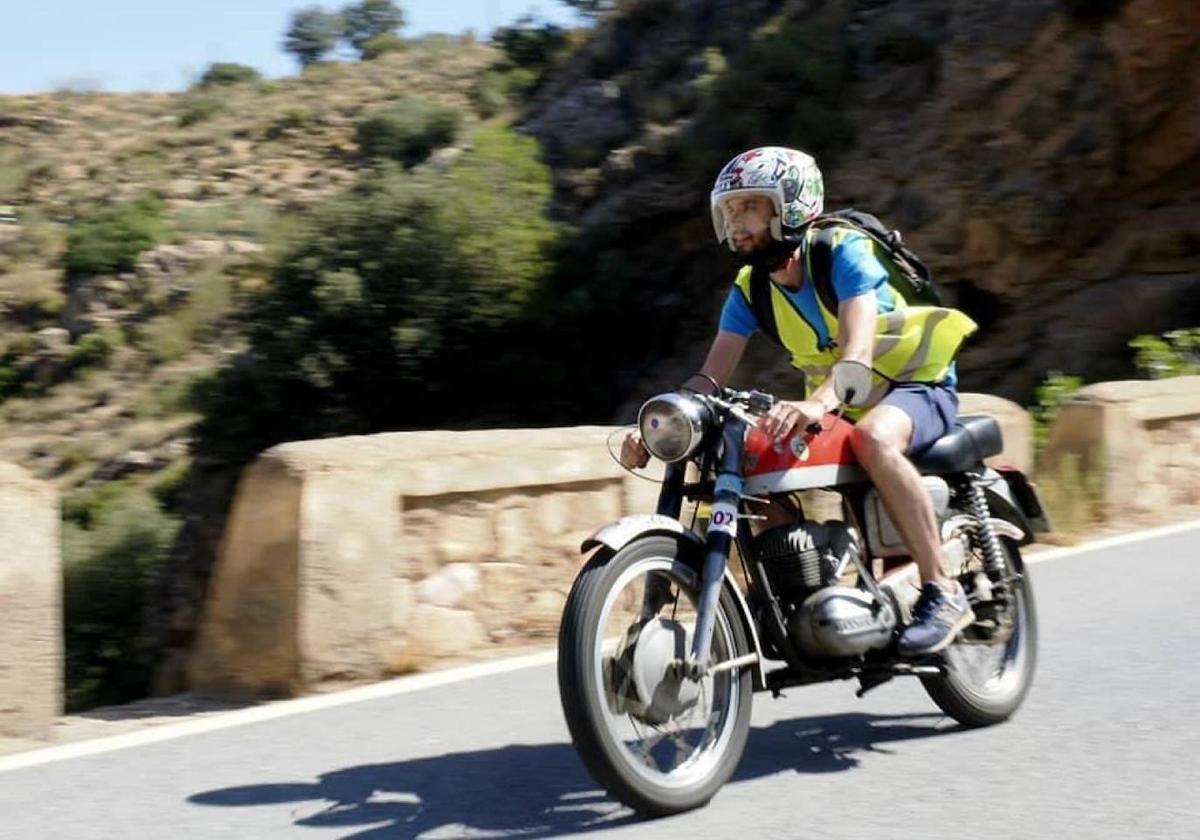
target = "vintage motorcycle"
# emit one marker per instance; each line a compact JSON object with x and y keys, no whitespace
{"x":660,"y":649}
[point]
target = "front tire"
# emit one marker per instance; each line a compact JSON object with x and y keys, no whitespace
{"x":586,"y":700}
{"x":977,"y":699}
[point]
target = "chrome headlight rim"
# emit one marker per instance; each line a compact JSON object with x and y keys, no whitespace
{"x":692,"y":416}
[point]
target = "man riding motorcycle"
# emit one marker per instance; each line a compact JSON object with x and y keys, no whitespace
{"x":763,"y":203}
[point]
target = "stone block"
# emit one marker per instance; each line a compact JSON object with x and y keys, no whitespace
{"x":441,"y":632}
{"x":248,"y":637}
{"x":31,"y":632}
{"x":504,"y":586}
{"x":417,"y":553}
{"x":466,"y":534}
{"x":452,"y":586}
{"x":543,"y":614}
{"x":515,"y":534}
{"x":551,"y":512}
{"x":404,"y":601}
{"x":592,"y":507}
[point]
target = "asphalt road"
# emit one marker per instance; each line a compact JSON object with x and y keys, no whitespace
{"x":1106,"y":746}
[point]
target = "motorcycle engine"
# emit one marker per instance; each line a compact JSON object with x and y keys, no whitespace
{"x":824,"y":619}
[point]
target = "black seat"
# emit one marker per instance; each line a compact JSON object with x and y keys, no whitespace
{"x":977,"y":436}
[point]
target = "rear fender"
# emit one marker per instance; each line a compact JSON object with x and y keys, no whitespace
{"x":616,"y":535}
{"x":1004,"y":506}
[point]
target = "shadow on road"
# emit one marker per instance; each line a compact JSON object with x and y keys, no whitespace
{"x":543,"y":790}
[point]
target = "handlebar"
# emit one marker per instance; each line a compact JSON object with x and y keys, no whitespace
{"x":748,"y":406}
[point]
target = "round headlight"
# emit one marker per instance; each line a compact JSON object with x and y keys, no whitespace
{"x":672,"y":426}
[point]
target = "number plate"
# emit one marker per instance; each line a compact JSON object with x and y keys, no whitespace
{"x":724,"y":518}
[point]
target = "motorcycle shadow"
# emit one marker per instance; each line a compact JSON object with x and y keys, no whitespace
{"x":541,"y":790}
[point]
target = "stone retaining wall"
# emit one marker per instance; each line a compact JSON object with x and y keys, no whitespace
{"x":1134,"y":446}
{"x":358,"y":557}
{"x":31,"y":645}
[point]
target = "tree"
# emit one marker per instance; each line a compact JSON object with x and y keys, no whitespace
{"x":531,"y":43}
{"x":313,"y":33}
{"x":381,"y":45}
{"x":370,"y":19}
{"x":228,"y":73}
{"x":590,"y":8}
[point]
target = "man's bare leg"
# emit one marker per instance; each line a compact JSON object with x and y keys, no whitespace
{"x":880,"y":440}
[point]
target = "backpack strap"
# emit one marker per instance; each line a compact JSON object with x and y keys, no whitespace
{"x":762,"y":305}
{"x":820,"y":261}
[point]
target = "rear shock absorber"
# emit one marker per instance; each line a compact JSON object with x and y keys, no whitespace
{"x":993,"y":559}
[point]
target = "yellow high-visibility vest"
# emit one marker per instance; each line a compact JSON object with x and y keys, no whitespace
{"x":912,"y":343}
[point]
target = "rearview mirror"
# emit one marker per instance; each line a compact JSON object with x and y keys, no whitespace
{"x":852,"y":382}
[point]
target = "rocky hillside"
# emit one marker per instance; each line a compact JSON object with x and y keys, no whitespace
{"x":103,"y":349}
{"x":106,"y":360}
{"x":1043,"y":156}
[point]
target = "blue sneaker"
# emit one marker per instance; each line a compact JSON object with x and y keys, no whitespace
{"x":938,"y":617}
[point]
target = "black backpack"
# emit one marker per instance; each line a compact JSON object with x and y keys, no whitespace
{"x":907,"y":274}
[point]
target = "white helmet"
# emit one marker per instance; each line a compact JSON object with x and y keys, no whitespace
{"x":788,"y":177}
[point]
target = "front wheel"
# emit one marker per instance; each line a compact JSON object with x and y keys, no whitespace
{"x":658,"y":742}
{"x":989,"y":668}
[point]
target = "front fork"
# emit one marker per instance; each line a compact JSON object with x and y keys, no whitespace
{"x":722,"y":530}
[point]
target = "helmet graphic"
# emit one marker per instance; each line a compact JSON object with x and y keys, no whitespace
{"x":789,"y":177}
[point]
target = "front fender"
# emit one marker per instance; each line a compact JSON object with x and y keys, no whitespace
{"x":616,"y":535}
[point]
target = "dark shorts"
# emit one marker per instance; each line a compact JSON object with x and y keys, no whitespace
{"x":932,"y":408}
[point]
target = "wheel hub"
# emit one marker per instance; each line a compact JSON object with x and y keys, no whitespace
{"x":641,"y":679}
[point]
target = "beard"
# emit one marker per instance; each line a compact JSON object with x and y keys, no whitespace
{"x":762,"y":251}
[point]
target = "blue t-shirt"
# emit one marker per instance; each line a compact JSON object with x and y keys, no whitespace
{"x":856,"y":271}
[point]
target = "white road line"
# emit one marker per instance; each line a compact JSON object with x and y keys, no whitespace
{"x":417,"y":682}
{"x":1113,"y":542}
{"x":271,"y":711}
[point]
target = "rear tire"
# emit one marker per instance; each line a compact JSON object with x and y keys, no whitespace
{"x":582,"y":696}
{"x":975,"y":705}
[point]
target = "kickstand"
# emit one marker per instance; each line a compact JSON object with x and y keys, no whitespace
{"x":868,"y":681}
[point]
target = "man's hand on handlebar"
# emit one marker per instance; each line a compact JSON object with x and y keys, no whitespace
{"x":634,"y":452}
{"x":785,"y":416}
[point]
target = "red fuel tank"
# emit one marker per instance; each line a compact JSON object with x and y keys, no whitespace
{"x":801,"y":461}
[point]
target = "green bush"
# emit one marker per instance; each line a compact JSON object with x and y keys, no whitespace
{"x":496,"y":89}
{"x":1176,"y":353}
{"x":1051,"y":394}
{"x":115,"y":542}
{"x":195,"y":108}
{"x":228,"y":73}
{"x":393,"y":301}
{"x":407,"y":131}
{"x":95,"y":348}
{"x":109,"y":239}
{"x":529,"y":43}
{"x":489,"y":95}
{"x":382,"y":44}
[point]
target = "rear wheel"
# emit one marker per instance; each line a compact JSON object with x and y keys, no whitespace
{"x":658,"y":742}
{"x":990,"y":665}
